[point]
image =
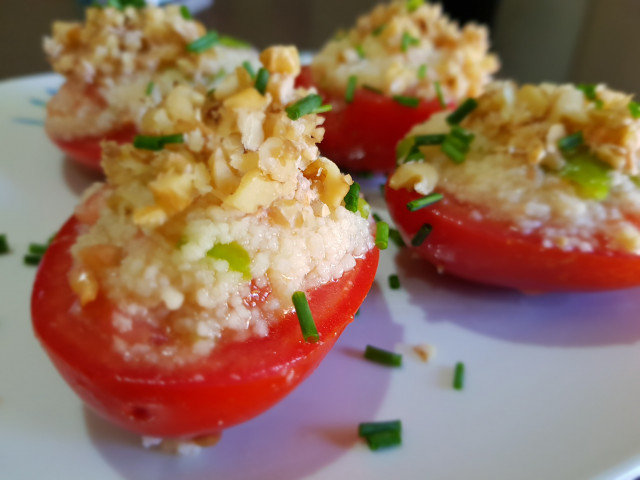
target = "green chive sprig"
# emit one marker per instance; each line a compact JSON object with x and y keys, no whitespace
{"x":394,"y":282}
{"x":571,"y":142}
{"x":422,"y":71}
{"x":439,"y":94}
{"x":460,"y":113}
{"x":378,"y":30}
{"x":352,"y":197}
{"x":204,"y":43}
{"x":381,"y":434}
{"x":372,"y":89}
{"x":31,"y":259}
{"x":122,"y":4}
{"x":412,"y":5}
{"x":396,"y":238}
{"x":634,"y":109}
{"x":590,"y":92}
{"x":307,"y":325}
{"x":351,"y":88}
{"x":185,"y":13}
{"x":457,"y":144}
{"x":382,"y":235}
{"x":383,"y":357}
{"x":155,"y":143}
{"x":423,"y":202}
{"x":422,"y":234}
{"x":360,"y":51}
{"x":249,"y":68}
{"x":149,"y":90}
{"x":37,"y":248}
{"x":458,"y":376}
{"x":411,"y":102}
{"x":232,"y":42}
{"x":4,"y":244}
{"x":262,"y":79}
{"x":408,"y":41}
{"x":312,"y":103}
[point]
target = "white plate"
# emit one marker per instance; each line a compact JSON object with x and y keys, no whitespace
{"x":552,"y":388}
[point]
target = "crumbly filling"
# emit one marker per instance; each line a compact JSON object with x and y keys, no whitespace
{"x":517,"y":171}
{"x":401,"y":48}
{"x":111,"y":60}
{"x":247,"y":180}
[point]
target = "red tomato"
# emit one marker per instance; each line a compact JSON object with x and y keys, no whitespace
{"x":236,"y":382}
{"x":87,"y":150}
{"x":494,"y":253}
{"x":362,"y":135}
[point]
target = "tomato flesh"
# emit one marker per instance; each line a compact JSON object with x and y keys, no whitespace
{"x":236,"y":382}
{"x":493,"y":253}
{"x":362,"y":135}
{"x":87,"y":150}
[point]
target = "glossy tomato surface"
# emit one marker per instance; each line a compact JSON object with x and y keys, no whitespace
{"x":236,"y":382}
{"x":493,"y":253}
{"x":87,"y":150}
{"x":362,"y":135}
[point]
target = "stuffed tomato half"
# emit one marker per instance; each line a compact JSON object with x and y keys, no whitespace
{"x":398,"y":65}
{"x":533,"y":188}
{"x":122,"y":61}
{"x":214,"y":268}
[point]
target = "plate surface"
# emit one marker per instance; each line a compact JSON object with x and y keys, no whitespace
{"x":552,"y":387}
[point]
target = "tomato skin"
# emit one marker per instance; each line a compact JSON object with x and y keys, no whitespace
{"x":362,"y":135}
{"x":236,"y":382}
{"x":492,"y":253}
{"x":87,"y":150}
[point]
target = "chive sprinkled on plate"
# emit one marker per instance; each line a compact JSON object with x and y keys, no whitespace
{"x":571,"y":142}
{"x":249,"y":68}
{"x":262,"y":79}
{"x":352,"y":196}
{"x":369,"y":428}
{"x":408,"y":41}
{"x":4,"y":244}
{"x":396,"y":238}
{"x":383,"y":357}
{"x":203,"y":43}
{"x":152,"y":142}
{"x":411,"y":102}
{"x":457,"y":143}
{"x":312,"y":103}
{"x":307,"y":325}
{"x":185,"y":13}
{"x":460,"y":113}
{"x":377,"y":217}
{"x":351,"y":88}
{"x":37,"y":248}
{"x":439,"y":94}
{"x":422,"y":234}
{"x":149,"y":90}
{"x":394,"y":282}
{"x":381,"y":434}
{"x":423,"y":202}
{"x":422,"y":71}
{"x":634,"y":109}
{"x":382,"y":235}
{"x":31,"y":259}
{"x":458,"y":376}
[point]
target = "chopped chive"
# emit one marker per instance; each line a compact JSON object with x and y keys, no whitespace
{"x":307,"y":325}
{"x":383,"y":357}
{"x":262,"y":79}
{"x":363,"y":208}
{"x":377,"y":217}
{"x":382,"y":235}
{"x":360,"y":51}
{"x":462,"y":111}
{"x":411,"y":102}
{"x":378,"y":30}
{"x":351,"y":88}
{"x":590,"y":92}
{"x":376,"y":441}
{"x":37,"y":248}
{"x":4,"y":244}
{"x":396,"y":238}
{"x":149,"y":90}
{"x":372,"y":89}
{"x":439,"y":94}
{"x":369,"y":428}
{"x":457,"y":143}
{"x":458,"y":376}
{"x":233,"y":42}
{"x":407,"y":41}
{"x":422,"y":234}
{"x":312,"y":103}
{"x":155,"y":143}
{"x":430,"y":139}
{"x":394,"y":282}
{"x":634,"y":109}
{"x":203,"y":43}
{"x":235,"y":255}
{"x":571,"y":142}
{"x":122,"y":4}
{"x":419,"y":203}
{"x":352,"y":196}
{"x":412,"y":5}
{"x":31,"y":259}
{"x":249,"y":68}
{"x":588,"y":174}
{"x":422,"y":71}
{"x":186,"y":14}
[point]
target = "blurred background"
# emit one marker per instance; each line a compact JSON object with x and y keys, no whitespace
{"x":554,"y":40}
